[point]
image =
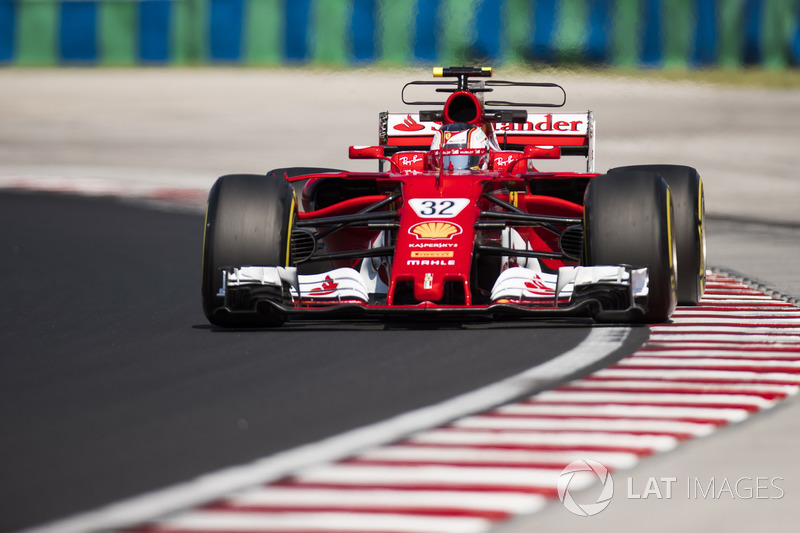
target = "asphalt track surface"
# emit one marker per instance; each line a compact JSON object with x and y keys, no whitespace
{"x":113,"y":384}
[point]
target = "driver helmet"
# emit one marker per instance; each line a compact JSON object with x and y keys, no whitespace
{"x":459,"y":146}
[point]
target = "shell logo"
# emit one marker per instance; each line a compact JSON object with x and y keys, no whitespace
{"x":435,"y":230}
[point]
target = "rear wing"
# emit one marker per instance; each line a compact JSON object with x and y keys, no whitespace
{"x":572,"y":132}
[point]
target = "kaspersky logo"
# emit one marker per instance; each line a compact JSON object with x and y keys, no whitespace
{"x":409,"y":124}
{"x":581,"y":469}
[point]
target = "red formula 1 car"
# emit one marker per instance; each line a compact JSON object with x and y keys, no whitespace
{"x":458,"y":223}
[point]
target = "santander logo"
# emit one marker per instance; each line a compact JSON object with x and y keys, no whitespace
{"x":409,"y":124}
{"x":546,"y":123}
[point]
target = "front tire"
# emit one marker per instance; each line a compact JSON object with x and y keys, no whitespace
{"x":686,"y":187}
{"x":628,"y":221}
{"x":248,"y":223}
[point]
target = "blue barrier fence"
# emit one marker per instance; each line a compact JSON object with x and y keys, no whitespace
{"x":652,"y":33}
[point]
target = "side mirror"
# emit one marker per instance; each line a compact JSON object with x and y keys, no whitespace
{"x":367,"y":152}
{"x":371,"y":152}
{"x":543,"y":152}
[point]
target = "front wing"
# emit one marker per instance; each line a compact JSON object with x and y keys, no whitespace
{"x":605,"y":293}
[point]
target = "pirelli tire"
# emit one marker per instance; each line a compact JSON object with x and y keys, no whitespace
{"x":688,"y":201}
{"x":248,"y":222}
{"x":628,"y":220}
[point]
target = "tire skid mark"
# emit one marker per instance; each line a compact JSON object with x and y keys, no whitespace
{"x":733,"y":355}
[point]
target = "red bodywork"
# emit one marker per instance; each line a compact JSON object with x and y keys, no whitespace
{"x":432,"y":251}
{"x":435,"y":245}
{"x":456,"y":222}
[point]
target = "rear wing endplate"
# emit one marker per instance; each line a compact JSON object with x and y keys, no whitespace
{"x":572,"y":132}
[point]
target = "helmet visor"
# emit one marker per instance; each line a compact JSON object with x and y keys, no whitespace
{"x":458,"y":158}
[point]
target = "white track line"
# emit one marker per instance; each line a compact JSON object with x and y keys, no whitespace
{"x":659,"y":338}
{"x":509,"y":502}
{"x":749,"y":330}
{"x":666,"y":343}
{"x":466,"y":455}
{"x":441,"y":475}
{"x":607,"y":441}
{"x":712,"y":299}
{"x":735,"y":376}
{"x":791,"y":312}
{"x":629,"y":411}
{"x":709,"y":363}
{"x":226,"y":521}
{"x":728,"y":321}
{"x":778,"y":357}
{"x":585,"y":424}
{"x":645,"y":398}
{"x":754,"y":388}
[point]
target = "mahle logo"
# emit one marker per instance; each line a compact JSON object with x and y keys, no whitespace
{"x":582,"y":468}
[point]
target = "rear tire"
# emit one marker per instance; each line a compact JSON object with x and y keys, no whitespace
{"x":628,"y":221}
{"x":248,"y":223}
{"x":686,"y":187}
